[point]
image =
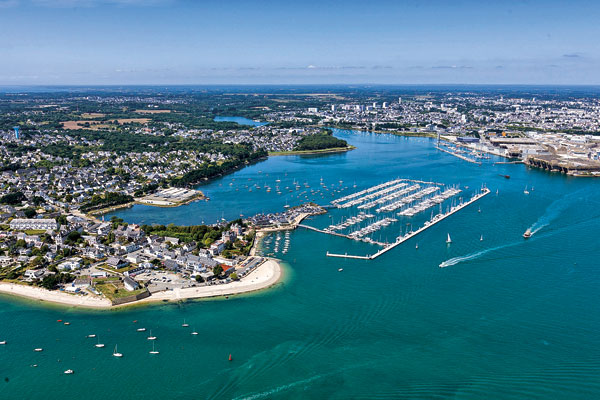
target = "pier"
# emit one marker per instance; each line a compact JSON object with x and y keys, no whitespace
{"x":328,"y":232}
{"x":458,"y":155}
{"x":348,"y":256}
{"x":401,"y":239}
{"x":373,"y":192}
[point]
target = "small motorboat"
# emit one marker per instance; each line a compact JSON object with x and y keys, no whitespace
{"x":340,"y":269}
{"x":230,"y":358}
{"x":3,"y":342}
{"x":69,"y":372}
{"x":38,"y":349}
{"x":527,"y":234}
{"x":141,"y":329}
{"x":448,"y":241}
{"x":67,"y":323}
{"x":91,"y":336}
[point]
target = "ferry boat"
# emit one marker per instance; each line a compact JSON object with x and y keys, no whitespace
{"x":527,"y":234}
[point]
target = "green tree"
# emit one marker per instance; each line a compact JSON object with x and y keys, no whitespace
{"x":30,"y":212}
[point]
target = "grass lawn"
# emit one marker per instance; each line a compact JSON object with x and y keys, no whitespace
{"x":116,"y":290}
{"x":34,"y":231}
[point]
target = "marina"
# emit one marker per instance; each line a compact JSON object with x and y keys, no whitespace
{"x":434,"y":220}
{"x":404,"y":291}
{"x":455,"y":153}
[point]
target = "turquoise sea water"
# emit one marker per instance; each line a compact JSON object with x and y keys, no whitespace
{"x":240,"y":120}
{"x":507,"y":318}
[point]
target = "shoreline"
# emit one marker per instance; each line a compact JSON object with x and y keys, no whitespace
{"x":263,"y":277}
{"x":311,"y":152}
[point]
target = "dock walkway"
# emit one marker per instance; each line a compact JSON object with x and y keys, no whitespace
{"x":429,"y":224}
{"x":312,"y":228}
{"x":458,"y":155}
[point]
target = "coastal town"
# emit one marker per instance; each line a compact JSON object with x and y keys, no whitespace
{"x":559,"y":135}
{"x":122,"y":263}
{"x":69,"y":160}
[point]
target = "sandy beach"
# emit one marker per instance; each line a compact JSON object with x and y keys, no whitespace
{"x":264,"y":276}
{"x":54,"y":296}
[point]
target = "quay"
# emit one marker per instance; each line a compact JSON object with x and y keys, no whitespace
{"x":458,"y":155}
{"x":312,"y":228}
{"x":348,"y":256}
{"x":401,"y":239}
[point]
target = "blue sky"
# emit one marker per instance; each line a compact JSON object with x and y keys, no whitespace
{"x":250,"y":42}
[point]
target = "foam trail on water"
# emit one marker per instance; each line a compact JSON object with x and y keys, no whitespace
{"x":473,"y":256}
{"x":553,"y":211}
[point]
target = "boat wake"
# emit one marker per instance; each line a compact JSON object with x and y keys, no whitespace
{"x":473,"y":256}
{"x":478,"y":254}
{"x":552,"y":212}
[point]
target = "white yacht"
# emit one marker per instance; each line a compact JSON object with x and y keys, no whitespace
{"x":116,"y":352}
{"x":154,"y":351}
